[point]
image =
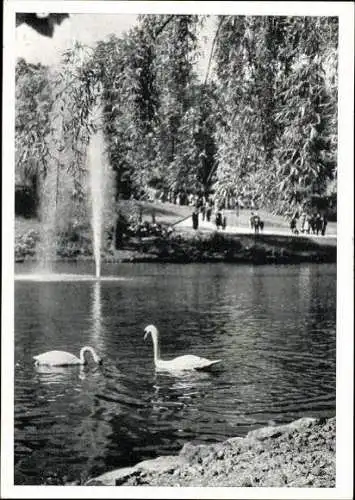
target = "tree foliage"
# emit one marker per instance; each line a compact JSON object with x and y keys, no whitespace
{"x":264,"y":124}
{"x":276,"y":134}
{"x":33,"y":105}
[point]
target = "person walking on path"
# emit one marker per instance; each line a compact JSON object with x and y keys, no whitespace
{"x":257,"y":223}
{"x":306,"y":226}
{"x":223,"y":220}
{"x":303,"y":222}
{"x":293,"y":225}
{"x":236,"y":206}
{"x":324,"y":224}
{"x":209,"y":210}
{"x":318,"y":223}
{"x":195,"y":218}
{"x":218,"y":219}
{"x":251,"y":220}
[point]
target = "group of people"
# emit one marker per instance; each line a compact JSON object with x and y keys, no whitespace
{"x":256,"y":223}
{"x":180,"y":198}
{"x":209,"y":206}
{"x":206,"y":206}
{"x":220,"y":218}
{"x":308,"y":223}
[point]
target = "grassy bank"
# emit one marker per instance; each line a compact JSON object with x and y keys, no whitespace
{"x":183,"y":244}
{"x":300,"y":454}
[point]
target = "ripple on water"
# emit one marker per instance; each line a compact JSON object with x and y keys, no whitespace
{"x":52,"y":277}
{"x":274,"y":329}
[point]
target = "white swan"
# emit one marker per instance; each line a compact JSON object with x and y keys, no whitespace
{"x":62,"y":358}
{"x":187,"y":362}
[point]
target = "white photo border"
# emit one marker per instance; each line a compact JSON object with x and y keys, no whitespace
{"x":344,"y":356}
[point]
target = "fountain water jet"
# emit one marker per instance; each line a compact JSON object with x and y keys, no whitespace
{"x":99,"y":187}
{"x":96,"y":191}
{"x":59,"y":205}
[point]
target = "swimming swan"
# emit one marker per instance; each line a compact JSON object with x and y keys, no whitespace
{"x":187,"y":362}
{"x":62,"y":358}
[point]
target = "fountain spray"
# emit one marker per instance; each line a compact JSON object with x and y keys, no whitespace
{"x":100,"y":185}
{"x":96,"y":172}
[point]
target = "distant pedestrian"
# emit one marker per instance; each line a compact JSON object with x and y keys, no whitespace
{"x":318,"y":223}
{"x":236,"y":206}
{"x":324,"y":224}
{"x":209,"y":210}
{"x":218,"y":219}
{"x":257,"y":223}
{"x":251,"y":220}
{"x":223,"y":220}
{"x":293,"y":225}
{"x":306,"y":226}
{"x":195,"y":219}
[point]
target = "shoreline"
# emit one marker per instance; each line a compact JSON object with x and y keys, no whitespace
{"x":298,"y":454}
{"x":188,"y":246}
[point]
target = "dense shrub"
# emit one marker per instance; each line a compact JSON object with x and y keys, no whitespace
{"x":25,"y":244}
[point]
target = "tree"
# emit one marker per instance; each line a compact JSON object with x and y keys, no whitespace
{"x":32,"y":108}
{"x":239,"y":136}
{"x":276,"y":131}
{"x":305,"y":153}
{"x":147,"y":77}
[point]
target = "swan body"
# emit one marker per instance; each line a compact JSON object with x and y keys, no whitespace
{"x":63,"y":358}
{"x":186,"y":362}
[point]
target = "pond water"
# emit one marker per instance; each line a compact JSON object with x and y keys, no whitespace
{"x":273,"y":327}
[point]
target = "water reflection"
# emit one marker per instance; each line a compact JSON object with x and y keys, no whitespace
{"x":49,"y":375}
{"x":180,"y":385}
{"x":96,"y":312}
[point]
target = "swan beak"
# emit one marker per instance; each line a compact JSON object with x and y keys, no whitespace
{"x":145,"y":335}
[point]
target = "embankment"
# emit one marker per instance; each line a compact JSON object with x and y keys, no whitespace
{"x":299,"y":454}
{"x":186,"y":246}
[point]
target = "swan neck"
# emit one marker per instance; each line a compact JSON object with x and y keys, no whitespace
{"x":156,"y":346}
{"x":82,"y":352}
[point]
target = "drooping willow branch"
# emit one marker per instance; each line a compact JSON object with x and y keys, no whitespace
{"x":213,"y":48}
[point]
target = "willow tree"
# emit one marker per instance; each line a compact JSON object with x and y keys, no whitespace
{"x":175,"y":50}
{"x":33,"y":102}
{"x":240,"y":136}
{"x":149,"y":92}
{"x":305,"y":158}
{"x":129,"y":98}
{"x":277,"y":119}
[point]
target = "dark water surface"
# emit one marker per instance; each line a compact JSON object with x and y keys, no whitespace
{"x":273,"y":327}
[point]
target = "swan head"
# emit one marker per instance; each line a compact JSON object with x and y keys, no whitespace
{"x":97,"y":358}
{"x":150,"y":329}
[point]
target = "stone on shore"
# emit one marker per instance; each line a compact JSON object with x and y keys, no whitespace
{"x":299,"y":454}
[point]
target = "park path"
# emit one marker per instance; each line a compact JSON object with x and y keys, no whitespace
{"x":234,"y":227}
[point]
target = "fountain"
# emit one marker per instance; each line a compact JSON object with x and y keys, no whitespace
{"x":97,"y":172}
{"x":57,"y":209}
{"x":86,"y":164}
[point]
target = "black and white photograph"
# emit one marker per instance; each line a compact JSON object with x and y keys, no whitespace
{"x":177,"y":264}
